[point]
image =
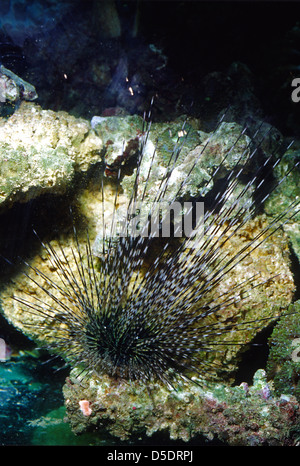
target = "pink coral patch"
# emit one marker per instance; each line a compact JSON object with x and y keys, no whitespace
{"x":85,"y":407}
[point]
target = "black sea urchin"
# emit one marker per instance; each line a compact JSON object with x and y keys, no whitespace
{"x":139,"y":317}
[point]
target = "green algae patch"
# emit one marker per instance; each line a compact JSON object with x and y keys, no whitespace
{"x":23,"y":170}
{"x":284,"y":358}
{"x":243,"y":415}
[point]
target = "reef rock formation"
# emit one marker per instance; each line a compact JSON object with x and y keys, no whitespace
{"x":242,"y":415}
{"x":40,"y":151}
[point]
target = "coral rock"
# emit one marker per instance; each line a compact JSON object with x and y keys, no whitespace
{"x":40,"y":151}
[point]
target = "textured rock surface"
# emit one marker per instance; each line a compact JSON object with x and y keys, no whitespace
{"x":241,"y":415}
{"x":40,"y":151}
{"x":199,"y":151}
{"x":197,"y":159}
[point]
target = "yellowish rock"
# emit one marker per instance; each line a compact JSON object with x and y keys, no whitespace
{"x":41,"y":150}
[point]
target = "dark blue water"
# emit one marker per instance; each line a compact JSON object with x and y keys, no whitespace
{"x":29,"y":391}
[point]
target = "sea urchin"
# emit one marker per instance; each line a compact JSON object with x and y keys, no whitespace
{"x":141,"y":316}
